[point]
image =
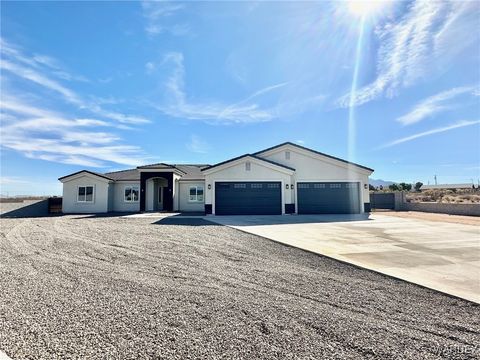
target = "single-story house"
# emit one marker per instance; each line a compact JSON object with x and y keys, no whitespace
{"x":283,"y":179}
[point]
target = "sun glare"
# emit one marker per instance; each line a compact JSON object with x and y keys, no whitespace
{"x":366,"y":7}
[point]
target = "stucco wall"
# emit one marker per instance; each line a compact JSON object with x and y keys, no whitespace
{"x":119,"y":203}
{"x":452,"y":209}
{"x":183,"y":196}
{"x":257,"y":172}
{"x":25,"y":208}
{"x":100,"y":198}
{"x":309,"y":167}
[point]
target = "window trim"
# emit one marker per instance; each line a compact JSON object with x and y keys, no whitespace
{"x":131,"y":187}
{"x":196,"y":187}
{"x":86,"y":201}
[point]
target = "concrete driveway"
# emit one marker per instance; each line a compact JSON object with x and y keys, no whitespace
{"x":439,"y":255}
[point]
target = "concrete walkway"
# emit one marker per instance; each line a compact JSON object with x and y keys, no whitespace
{"x":441,"y":256}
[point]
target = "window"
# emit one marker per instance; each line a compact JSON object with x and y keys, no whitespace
{"x":85,"y":194}
{"x":351,"y":186}
{"x":247,"y":166}
{"x":303,"y":186}
{"x":256,"y":186}
{"x":196,"y":194}
{"x":239,"y":186}
{"x":131,"y":193}
{"x":319,"y":186}
{"x":335,"y":186}
{"x":287,"y":155}
{"x":273,"y":186}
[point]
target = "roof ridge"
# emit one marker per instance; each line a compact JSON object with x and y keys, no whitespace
{"x":252,"y":156}
{"x":118,"y":171}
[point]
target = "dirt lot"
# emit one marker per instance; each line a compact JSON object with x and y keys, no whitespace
{"x":455,"y":219}
{"x":79,"y":287}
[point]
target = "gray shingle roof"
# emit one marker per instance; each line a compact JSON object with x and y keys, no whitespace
{"x":192,"y":172}
{"x":131,"y":174}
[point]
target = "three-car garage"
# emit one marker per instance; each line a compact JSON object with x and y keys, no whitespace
{"x":286,"y":179}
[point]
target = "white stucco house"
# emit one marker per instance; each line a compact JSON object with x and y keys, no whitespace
{"x":284,"y":179}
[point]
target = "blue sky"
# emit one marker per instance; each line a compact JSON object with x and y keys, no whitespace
{"x":110,"y":85}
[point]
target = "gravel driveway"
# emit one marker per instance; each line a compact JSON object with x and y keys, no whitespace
{"x":113,"y":287}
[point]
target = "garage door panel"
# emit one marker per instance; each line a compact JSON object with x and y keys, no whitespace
{"x":328,"y":198}
{"x":248,"y":198}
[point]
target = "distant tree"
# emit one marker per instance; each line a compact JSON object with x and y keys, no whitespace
{"x":394,"y":187}
{"x":371,"y":187}
{"x":405,"y":186}
{"x":381,"y":187}
{"x":418,"y":185}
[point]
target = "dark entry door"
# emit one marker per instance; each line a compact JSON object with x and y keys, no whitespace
{"x":328,"y":197}
{"x":248,"y":198}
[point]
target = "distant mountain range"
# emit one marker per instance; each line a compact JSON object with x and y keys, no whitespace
{"x":378,"y":182}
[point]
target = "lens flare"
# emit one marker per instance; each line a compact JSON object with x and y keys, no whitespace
{"x":353,"y":92}
{"x":363,"y":8}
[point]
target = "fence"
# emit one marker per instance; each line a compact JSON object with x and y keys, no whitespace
{"x":383,"y":200}
{"x":18,"y":208}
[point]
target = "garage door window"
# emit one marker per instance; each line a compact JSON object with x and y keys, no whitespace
{"x":273,"y":186}
{"x":196,"y":194}
{"x":303,"y":186}
{"x":335,"y":186}
{"x":239,"y":186}
{"x":319,"y":186}
{"x":85,"y":194}
{"x":257,"y":186}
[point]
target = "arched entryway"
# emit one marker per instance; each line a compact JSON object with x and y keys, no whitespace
{"x":154,"y":197}
{"x":156,"y":191}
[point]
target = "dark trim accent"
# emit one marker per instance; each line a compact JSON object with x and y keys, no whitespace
{"x":311,"y":150}
{"x":208,"y":209}
{"x":87,"y":171}
{"x":366,"y":207}
{"x":289,"y":208}
{"x":167,"y":191}
{"x":252,"y":156}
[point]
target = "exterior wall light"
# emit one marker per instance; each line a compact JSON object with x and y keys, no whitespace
{"x":209,"y":186}
{"x":365,"y":186}
{"x":286,"y":186}
{"x":291,"y":186}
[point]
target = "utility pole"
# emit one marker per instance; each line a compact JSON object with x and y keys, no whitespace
{"x":435,"y":177}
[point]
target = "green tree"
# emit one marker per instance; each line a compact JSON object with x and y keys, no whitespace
{"x":394,"y":187}
{"x":371,"y":187}
{"x":418,"y":185}
{"x":405,"y":186}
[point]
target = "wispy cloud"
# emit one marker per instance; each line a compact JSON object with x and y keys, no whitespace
{"x":159,"y":14}
{"x":426,"y":38}
{"x":41,"y":133}
{"x":18,"y":64}
{"x":244,"y":111}
{"x":457,"y":125}
{"x":197,"y":145}
{"x":435,"y":104}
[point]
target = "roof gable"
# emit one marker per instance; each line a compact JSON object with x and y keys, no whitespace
{"x":288,"y":143}
{"x":253,"y":157}
{"x":86,"y":172}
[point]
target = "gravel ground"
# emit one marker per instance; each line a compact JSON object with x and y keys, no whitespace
{"x":95,"y":288}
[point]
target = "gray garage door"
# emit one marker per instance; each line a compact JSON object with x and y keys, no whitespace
{"x":248,"y":198}
{"x":328,"y":198}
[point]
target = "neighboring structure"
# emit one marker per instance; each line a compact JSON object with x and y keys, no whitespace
{"x":286,"y":178}
{"x":447,"y":186}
